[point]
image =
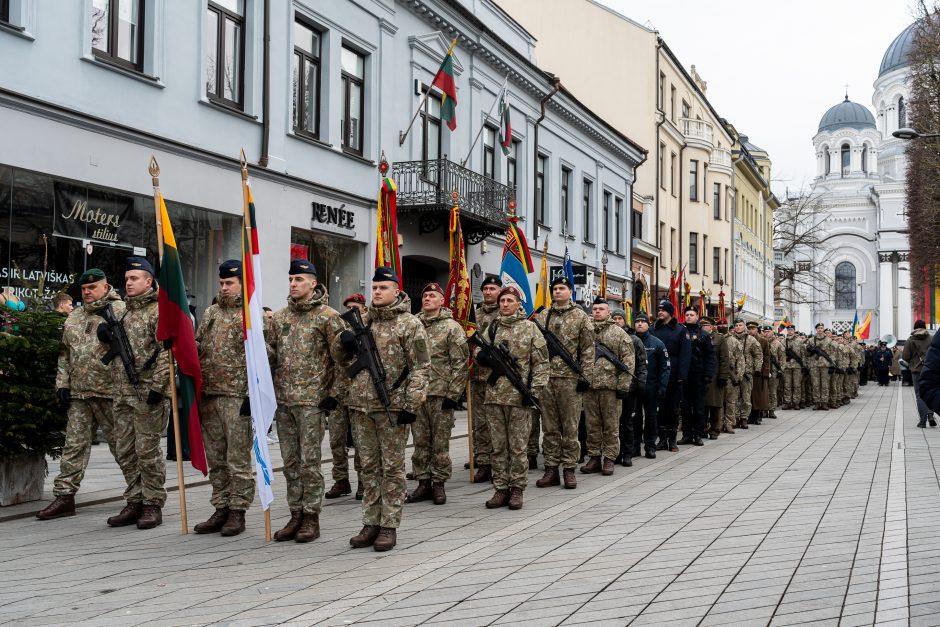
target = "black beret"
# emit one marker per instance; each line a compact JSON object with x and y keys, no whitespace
{"x":562,"y":280}
{"x":138,"y":263}
{"x":491,"y":280}
{"x":600,"y":301}
{"x":302,"y":266}
{"x":820,"y":324}
{"x":384,"y":273}
{"x":91,"y":275}
{"x":689,"y":308}
{"x":230,"y":268}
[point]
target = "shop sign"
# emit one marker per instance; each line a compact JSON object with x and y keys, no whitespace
{"x":579,"y":270}
{"x":338,"y":220}
{"x":88,"y":214}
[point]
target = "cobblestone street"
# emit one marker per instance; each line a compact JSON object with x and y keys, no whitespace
{"x":817,"y":517}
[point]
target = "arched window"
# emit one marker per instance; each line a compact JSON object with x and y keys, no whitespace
{"x":845,"y":286}
{"x":902,"y":113}
{"x":846,"y":159}
{"x":865,"y":158}
{"x":828,"y":158}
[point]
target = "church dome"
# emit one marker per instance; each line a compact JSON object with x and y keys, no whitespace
{"x":896,"y":54}
{"x":846,"y":114}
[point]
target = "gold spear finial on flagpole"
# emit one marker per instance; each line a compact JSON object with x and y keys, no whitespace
{"x":244,"y":163}
{"x":154,"y":170}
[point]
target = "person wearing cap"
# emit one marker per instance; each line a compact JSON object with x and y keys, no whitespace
{"x":883,"y":358}
{"x":715,"y":391}
{"x":816,"y":347}
{"x":914,"y":353}
{"x":928,"y":381}
{"x":341,"y":431}
{"x":85,"y":386}
{"x":609,"y":387}
{"x":702,"y":368}
{"x":508,"y":414}
{"x":402,"y":346}
{"x":562,"y":402}
{"x":760,"y":390}
{"x":737,"y":369}
{"x":306,"y":357}
{"x":792,"y":364}
{"x":753,"y":362}
{"x":485,"y":314}
{"x":225,"y":413}
{"x":658,"y":375}
{"x":679,"y":349}
{"x":838,"y":394}
{"x":628,"y":448}
{"x":777,"y":360}
{"x":447,"y":381}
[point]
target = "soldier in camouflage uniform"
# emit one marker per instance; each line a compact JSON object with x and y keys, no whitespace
{"x":447,"y":380}
{"x":140,"y":412}
{"x":486,"y":313}
{"x":776,"y":372}
{"x":402,"y":345}
{"x":86,"y":387}
{"x":227,"y":430}
{"x":609,"y":388}
{"x":715,"y":393}
{"x":303,"y":343}
{"x":738,"y":366}
{"x":792,"y":370}
{"x":508,"y":415}
{"x":562,"y":402}
{"x":754,"y":361}
{"x":819,"y":366}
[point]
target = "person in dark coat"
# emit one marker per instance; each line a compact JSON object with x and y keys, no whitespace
{"x":882,"y":358}
{"x":702,"y":366}
{"x":915,"y":350}
{"x":760,"y":393}
{"x":637,"y":385}
{"x":928,"y":383}
{"x":657,"y":383}
{"x":865,"y":367}
{"x":679,"y":349}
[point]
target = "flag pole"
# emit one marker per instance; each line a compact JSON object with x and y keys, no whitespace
{"x":174,"y":408}
{"x":489,"y":113}
{"x":403,"y":135}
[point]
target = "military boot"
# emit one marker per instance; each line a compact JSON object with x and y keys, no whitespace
{"x":550,"y":478}
{"x":571,"y":481}
{"x":215,"y":522}
{"x":650,"y":452}
{"x":152,"y":516}
{"x":686,"y":440}
{"x":607,"y":468}
{"x":366,"y":537}
{"x":340,"y":488}
{"x":499,"y":499}
{"x":290,"y":529}
{"x":359,"y":490}
{"x":515,"y":498}
{"x":593,"y":465}
{"x":673,"y":446}
{"x":628,"y":456}
{"x":309,"y":528}
{"x":931,"y":420}
{"x":385,"y":540}
{"x":533,"y":462}
{"x":421,"y":493}
{"x":128,"y":516}
{"x":62,"y":506}
{"x":437,"y":492}
{"x":483,"y":474}
{"x":923,"y":422}
{"x":235,"y":523}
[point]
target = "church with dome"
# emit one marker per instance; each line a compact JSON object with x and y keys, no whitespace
{"x":859,"y":184}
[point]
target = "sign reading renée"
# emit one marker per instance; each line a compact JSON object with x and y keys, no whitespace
{"x":337,"y":217}
{"x":84,"y":213}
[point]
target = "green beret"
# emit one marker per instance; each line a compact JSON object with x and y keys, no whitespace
{"x":91,"y":275}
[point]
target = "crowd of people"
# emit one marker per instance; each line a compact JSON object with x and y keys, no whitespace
{"x":576,"y":387}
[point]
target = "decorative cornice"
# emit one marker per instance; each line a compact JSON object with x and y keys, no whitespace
{"x":893,"y":256}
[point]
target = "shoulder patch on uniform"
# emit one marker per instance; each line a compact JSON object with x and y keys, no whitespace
{"x":665,"y":353}
{"x":421,"y":350}
{"x":285,"y":328}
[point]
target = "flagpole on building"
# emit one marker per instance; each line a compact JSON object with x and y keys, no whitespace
{"x":403,"y":135}
{"x":489,"y":113}
{"x":174,"y":408}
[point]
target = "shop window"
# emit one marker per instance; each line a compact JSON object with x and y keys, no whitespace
{"x":116,"y":31}
{"x":306,"y":80}
{"x":338,"y":261}
{"x":225,"y":52}
{"x":353,"y":77}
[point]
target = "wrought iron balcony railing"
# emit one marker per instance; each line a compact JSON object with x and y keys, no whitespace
{"x":425,"y":187}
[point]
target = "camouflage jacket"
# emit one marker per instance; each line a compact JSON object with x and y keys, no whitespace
{"x":779,"y":355}
{"x":738,"y":362}
{"x":304,"y":348}
{"x":527,"y":345}
{"x":403,"y":348}
{"x":152,"y":362}
{"x":79,"y":368}
{"x":575,"y":330}
{"x":449,"y":351}
{"x":753,"y":353}
{"x":221,"y":342}
{"x":485,"y":315}
{"x":844,"y":359}
{"x":606,"y":374}
{"x":797,"y":354}
{"x":814,"y":360}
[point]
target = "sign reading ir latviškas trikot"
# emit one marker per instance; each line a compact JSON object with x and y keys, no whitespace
{"x":91,"y":214}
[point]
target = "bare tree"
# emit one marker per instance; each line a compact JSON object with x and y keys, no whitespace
{"x":802,"y":277}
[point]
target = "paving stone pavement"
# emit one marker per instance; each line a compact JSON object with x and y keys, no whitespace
{"x":815,"y":518}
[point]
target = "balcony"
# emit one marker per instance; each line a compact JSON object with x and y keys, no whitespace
{"x":698,"y":131}
{"x":424,"y":191}
{"x":721,"y":158}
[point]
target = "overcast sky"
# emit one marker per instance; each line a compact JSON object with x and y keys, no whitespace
{"x":777,"y":67}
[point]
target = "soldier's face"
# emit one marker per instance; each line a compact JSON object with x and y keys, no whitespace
{"x":137,"y":282}
{"x":64,"y":306}
{"x":691,"y":317}
{"x":752,"y":331}
{"x":663,"y":315}
{"x":561,"y":293}
{"x":791,"y":332}
{"x":642,"y":326}
{"x":351,"y":305}
{"x":820,"y":332}
{"x":600,"y":312}
{"x":432,"y":302}
{"x":230,"y":286}
{"x":94,"y":291}
{"x":708,"y":328}
{"x":508,"y":304}
{"x":490,"y":293}
{"x":301,"y":285}
{"x":767,"y":334}
{"x":620,"y":321}
{"x":384,"y":292}
{"x":739,"y":327}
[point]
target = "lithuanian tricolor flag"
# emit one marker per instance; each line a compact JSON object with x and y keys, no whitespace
{"x":175,"y":324}
{"x":444,"y":80}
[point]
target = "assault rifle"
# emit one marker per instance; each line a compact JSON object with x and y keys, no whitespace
{"x":815,"y":350}
{"x":602,"y":352}
{"x":557,"y":349}
{"x":502,"y":364}
{"x":112,"y":333}
{"x":367,"y":357}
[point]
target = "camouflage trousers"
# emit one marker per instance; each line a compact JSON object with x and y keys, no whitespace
{"x":773,"y":386}
{"x":732,"y":399}
{"x":382,"y":454}
{"x":744,"y":398}
{"x":561,"y":412}
{"x":792,"y":386}
{"x":535,"y":431}
{"x":339,"y":430}
{"x":430,"y":433}
{"x":836,"y":381}
{"x":300,"y":434}
{"x":819,"y":375}
{"x":482,"y":441}
{"x":228,"y":440}
{"x":510,"y":428}
{"x":715,"y":416}
{"x":136,"y":434}
{"x":602,"y":418}
{"x":85,"y":416}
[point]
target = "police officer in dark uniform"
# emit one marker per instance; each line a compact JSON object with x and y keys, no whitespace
{"x":679,"y":350}
{"x":702,"y":367}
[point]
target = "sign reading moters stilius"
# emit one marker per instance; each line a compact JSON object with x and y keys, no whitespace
{"x":83,"y":213}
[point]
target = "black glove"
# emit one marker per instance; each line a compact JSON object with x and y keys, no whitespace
{"x":449,"y":404}
{"x":530,"y":402}
{"x":405,"y":417}
{"x":328,"y":404}
{"x":348,"y":340}
{"x":64,"y":395}
{"x":831,"y":370}
{"x":622,"y":395}
{"x":735,"y":382}
{"x":722,"y":383}
{"x":168,"y":343}
{"x":245,"y":409}
{"x":583,"y":385}
{"x":483,"y":360}
{"x":154,"y":397}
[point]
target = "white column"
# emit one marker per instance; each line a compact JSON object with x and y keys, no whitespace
{"x":886,"y":296}
{"x":905,"y":312}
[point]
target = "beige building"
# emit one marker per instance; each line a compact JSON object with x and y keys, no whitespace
{"x":683,"y":196}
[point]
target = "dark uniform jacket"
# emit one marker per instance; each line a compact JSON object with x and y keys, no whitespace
{"x":678,"y":347}
{"x":639,"y":356}
{"x":702,"y":363}
{"x":929,"y":381}
{"x":657,"y":364}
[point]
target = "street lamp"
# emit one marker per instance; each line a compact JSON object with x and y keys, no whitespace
{"x":909,"y":133}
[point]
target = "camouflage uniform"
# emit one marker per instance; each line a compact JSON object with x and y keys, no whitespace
{"x":91,"y":385}
{"x":339,"y":430}
{"x":137,"y":425}
{"x":304,"y":346}
{"x":403,"y":348}
{"x":447,"y":379}
{"x":738,"y":365}
{"x":776,"y":374}
{"x":482,"y":443}
{"x":715,"y":394}
{"x":754,"y":361}
{"x":819,"y":368}
{"x":793,"y":354}
{"x":561,"y":402}
{"x":227,"y":436}
{"x":508,"y":419}
{"x":601,"y":405}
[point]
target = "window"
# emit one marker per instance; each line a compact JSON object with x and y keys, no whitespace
{"x":511,"y":160}
{"x":726,"y":276}
{"x":672,"y":174}
{"x":606,"y":216}
{"x":306,"y":80}
{"x":540,"y":188}
{"x":704,"y":254}
{"x":116,"y":31}
{"x":902,"y":113}
{"x":586,"y":211}
{"x":828,"y":159}
{"x":846,"y":159}
{"x":565,"y":198}
{"x":5,"y":11}
{"x":431,"y":127}
{"x":489,"y":152}
{"x":225,"y":51}
{"x":865,"y":158}
{"x":618,"y":228}
{"x":672,"y":103}
{"x":716,"y":264}
{"x":353,"y":76}
{"x":636,"y":224}
{"x":686,"y":110}
{"x":672,"y":247}
{"x":662,"y":90}
{"x":693,"y":179}
{"x":845,"y":286}
{"x":693,"y":253}
{"x":716,"y":201}
{"x":662,"y":166}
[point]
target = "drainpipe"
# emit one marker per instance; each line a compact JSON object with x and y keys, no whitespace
{"x":266,"y":87}
{"x":681,"y":286}
{"x":659,"y":157}
{"x":543,"y":103}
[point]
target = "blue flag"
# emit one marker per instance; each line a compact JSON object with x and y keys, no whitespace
{"x":855,"y":325}
{"x":517,"y":264}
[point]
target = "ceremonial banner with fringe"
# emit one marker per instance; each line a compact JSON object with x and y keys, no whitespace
{"x":458,"y":295}
{"x":386,"y":236}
